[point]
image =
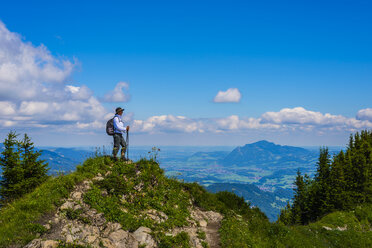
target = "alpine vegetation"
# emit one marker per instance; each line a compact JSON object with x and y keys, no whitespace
{"x":117,"y":203}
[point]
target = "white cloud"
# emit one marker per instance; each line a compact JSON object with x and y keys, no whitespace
{"x":168,"y":123}
{"x":235,"y":123}
{"x":230,"y":95}
{"x":27,"y":71}
{"x":365,"y":114}
{"x":287,"y":119}
{"x":298,"y":115}
{"x":34,"y":88}
{"x":302,"y":118}
{"x":7,"y":108}
{"x":79,"y":93}
{"x":119,"y":94}
{"x":33,"y":107}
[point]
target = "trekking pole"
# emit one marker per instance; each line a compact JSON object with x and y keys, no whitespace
{"x":128,"y":145}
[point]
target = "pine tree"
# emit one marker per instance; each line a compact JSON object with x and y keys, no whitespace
{"x":300,"y":207}
{"x":339,"y":184}
{"x":322,"y":193}
{"x":11,"y":165}
{"x":366,"y":170}
{"x":349,"y":175}
{"x":22,"y":169}
{"x":34,"y":170}
{"x":338,"y":198}
{"x":285,"y":216}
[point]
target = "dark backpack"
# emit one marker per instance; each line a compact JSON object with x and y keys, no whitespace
{"x":110,"y":130}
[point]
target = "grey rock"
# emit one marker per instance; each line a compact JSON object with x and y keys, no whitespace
{"x":76,"y":195}
{"x":121,"y":238}
{"x":69,"y":238}
{"x":47,"y":226}
{"x":97,"y":178}
{"x":36,"y":243}
{"x":67,"y":205}
{"x":49,"y":244}
{"x":107,"y":243}
{"x":142,"y":235}
{"x":203,"y":223}
{"x":90,"y":239}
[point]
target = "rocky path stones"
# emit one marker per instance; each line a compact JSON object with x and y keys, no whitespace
{"x":75,"y":222}
{"x":207,"y":222}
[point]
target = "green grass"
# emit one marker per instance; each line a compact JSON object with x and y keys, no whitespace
{"x":181,"y":240}
{"x":201,"y":235}
{"x":18,"y":220}
{"x":254,"y":231}
{"x":146,"y":187}
{"x":76,"y":215}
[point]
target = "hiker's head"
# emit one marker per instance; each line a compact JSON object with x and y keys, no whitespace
{"x":119,"y":111}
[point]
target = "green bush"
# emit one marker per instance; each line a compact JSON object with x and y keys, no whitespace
{"x":181,"y":240}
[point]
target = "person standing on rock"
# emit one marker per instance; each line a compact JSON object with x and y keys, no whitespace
{"x":119,"y":129}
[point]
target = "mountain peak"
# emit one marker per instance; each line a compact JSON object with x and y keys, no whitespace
{"x":264,"y":152}
{"x":262,"y":142}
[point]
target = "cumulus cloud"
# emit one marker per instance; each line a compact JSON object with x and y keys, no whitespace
{"x":300,"y":117}
{"x":365,"y":114}
{"x":34,"y":88}
{"x":28,"y":71}
{"x":235,"y":123}
{"x":119,"y":94}
{"x":78,"y":93}
{"x":7,"y":108}
{"x":168,"y":123}
{"x":287,"y":119}
{"x":230,"y":95}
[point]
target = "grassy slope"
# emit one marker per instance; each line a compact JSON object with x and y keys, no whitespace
{"x":18,"y":220}
{"x":253,"y":232}
{"x":242,"y":226}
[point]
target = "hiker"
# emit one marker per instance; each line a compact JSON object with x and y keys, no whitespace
{"x":119,"y":129}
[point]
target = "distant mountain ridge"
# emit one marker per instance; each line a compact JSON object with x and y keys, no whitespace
{"x":264,"y":152}
{"x":60,"y":159}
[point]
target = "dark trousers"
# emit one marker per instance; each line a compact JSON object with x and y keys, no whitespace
{"x":119,"y":142}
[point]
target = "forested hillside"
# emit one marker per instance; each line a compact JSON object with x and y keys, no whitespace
{"x":341,"y":183}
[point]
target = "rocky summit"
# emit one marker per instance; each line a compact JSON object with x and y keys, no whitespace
{"x":76,"y":223}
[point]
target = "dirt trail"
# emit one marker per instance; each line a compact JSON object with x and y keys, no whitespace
{"x":213,"y":236}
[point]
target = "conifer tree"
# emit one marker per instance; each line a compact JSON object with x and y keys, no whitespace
{"x":338,"y":183}
{"x":299,"y":209}
{"x":322,"y":193}
{"x":34,"y":170}
{"x":11,"y":166}
{"x":285,"y":216}
{"x":22,"y":169}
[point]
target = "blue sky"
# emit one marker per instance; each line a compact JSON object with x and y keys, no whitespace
{"x":288,"y":64}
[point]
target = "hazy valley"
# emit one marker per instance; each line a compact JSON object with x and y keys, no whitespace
{"x":262,"y":172}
